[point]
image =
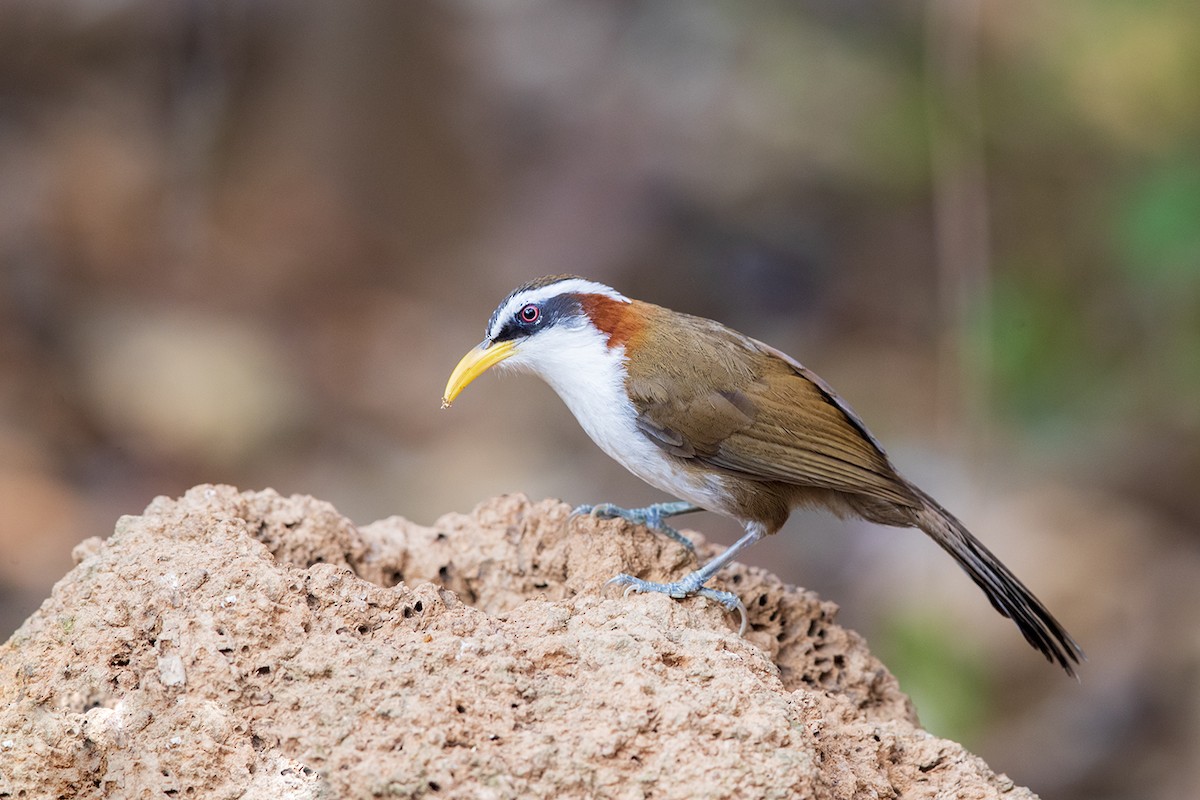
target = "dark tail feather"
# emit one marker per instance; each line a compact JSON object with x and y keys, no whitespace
{"x":1007,"y":593}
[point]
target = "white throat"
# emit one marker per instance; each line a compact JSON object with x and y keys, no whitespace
{"x":589,"y":376}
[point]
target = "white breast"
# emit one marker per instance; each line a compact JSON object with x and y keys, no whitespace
{"x":590,"y":378}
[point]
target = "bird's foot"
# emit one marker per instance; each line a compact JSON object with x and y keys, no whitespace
{"x":653,"y":517}
{"x":685,"y":588}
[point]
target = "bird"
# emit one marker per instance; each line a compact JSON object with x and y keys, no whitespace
{"x":726,"y":424}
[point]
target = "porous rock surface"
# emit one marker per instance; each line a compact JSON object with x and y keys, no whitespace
{"x":232,"y":644}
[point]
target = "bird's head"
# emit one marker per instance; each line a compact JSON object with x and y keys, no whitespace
{"x":553,"y":327}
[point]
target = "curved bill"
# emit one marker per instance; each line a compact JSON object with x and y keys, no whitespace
{"x":474,"y":364}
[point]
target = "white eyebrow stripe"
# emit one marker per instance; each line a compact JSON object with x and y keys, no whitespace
{"x":544,"y":293}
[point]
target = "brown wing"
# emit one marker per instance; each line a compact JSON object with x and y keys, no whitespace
{"x":804,"y":435}
{"x":755,"y":412}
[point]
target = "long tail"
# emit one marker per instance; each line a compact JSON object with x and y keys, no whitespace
{"x":1007,"y":593}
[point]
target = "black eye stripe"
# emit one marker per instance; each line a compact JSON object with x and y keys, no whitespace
{"x":542,"y":314}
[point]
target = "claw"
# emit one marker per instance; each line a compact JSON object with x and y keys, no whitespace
{"x":680,"y":590}
{"x":693,"y":583}
{"x":731,"y":602}
{"x":651,"y":516}
{"x":580,"y":511}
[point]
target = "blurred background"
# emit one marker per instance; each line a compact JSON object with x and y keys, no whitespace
{"x":246,"y":242}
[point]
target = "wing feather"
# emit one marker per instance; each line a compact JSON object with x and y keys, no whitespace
{"x":759,"y":414}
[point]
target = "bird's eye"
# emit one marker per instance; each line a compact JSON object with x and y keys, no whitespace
{"x":529,"y":314}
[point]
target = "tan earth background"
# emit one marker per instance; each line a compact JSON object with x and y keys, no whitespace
{"x":244,"y":243}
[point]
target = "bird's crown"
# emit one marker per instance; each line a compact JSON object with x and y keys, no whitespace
{"x":542,"y":302}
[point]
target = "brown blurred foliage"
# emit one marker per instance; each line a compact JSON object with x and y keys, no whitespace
{"x":245,"y":243}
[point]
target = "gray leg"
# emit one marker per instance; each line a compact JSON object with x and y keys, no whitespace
{"x":653,"y":517}
{"x":693,"y":583}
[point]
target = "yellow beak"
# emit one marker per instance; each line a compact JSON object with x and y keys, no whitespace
{"x":474,"y":364}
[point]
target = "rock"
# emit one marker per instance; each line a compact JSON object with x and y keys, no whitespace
{"x":234,"y":644}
